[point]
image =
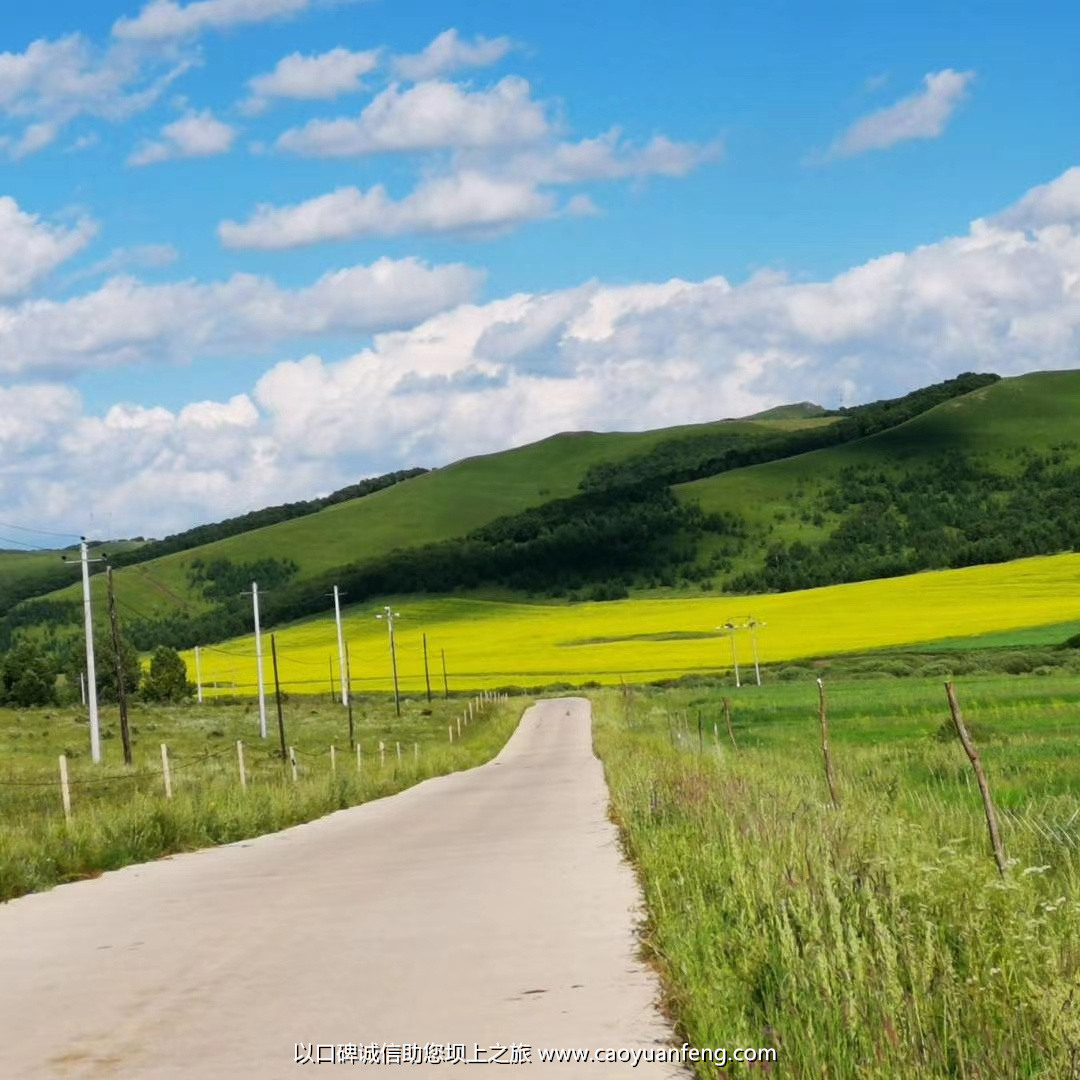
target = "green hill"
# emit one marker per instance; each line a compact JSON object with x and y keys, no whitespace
{"x":972,"y":470}
{"x":1009,"y":451}
{"x":435,"y":506}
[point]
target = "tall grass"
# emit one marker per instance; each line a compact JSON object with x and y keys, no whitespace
{"x":127,"y":819}
{"x":876,"y":940}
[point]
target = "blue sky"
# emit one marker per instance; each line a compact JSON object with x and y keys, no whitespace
{"x":258,"y":248}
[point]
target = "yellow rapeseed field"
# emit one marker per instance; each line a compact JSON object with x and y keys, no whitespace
{"x":492,"y":644}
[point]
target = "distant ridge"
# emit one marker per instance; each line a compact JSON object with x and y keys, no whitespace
{"x":800,"y":410}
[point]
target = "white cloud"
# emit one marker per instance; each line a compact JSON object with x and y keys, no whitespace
{"x":1055,"y":203}
{"x":923,"y":115}
{"x":465,"y":201}
{"x":195,"y":134}
{"x":53,"y":81}
{"x":449,"y":53}
{"x":165,"y":20}
{"x":312,"y":78}
{"x":475,"y":378}
{"x":31,"y":249}
{"x":429,"y":116}
{"x":128,"y":322}
{"x":487,"y":197}
{"x":607,"y":157}
{"x":123,"y":260}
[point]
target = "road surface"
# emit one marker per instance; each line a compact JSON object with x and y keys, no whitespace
{"x":488,"y":907}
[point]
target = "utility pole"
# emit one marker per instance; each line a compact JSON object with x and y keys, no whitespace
{"x":198,"y":676}
{"x":389,"y":614}
{"x":121,"y":692}
{"x":277,"y":695}
{"x":91,"y":672}
{"x":731,"y":630}
{"x":254,"y":594}
{"x":427,"y":673}
{"x":348,"y":698}
{"x":340,"y":645}
{"x":754,"y":624}
{"x":333,"y":692}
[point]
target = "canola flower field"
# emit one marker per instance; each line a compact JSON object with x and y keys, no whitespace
{"x":489,"y":644}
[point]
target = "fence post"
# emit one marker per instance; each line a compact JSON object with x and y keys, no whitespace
{"x":980,"y":776}
{"x":359,"y":759}
{"x":399,"y":752}
{"x":450,"y":731}
{"x":459,"y":727}
{"x":292,"y":761}
{"x":382,"y":754}
{"x":65,"y":790}
{"x":730,"y":729}
{"x":165,"y":771}
{"x":240,"y":762}
{"x":416,"y":752}
{"x":333,"y":760}
{"x":830,"y":779}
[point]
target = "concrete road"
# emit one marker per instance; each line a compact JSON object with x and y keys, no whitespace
{"x":488,"y":907}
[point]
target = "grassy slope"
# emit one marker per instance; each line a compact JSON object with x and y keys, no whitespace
{"x":441,"y":504}
{"x":1032,"y":411}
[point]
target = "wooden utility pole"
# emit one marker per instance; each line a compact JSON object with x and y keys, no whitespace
{"x":445,"y":684}
{"x":980,"y":777}
{"x":121,"y":693}
{"x":348,"y":695}
{"x":277,"y":695}
{"x":427,"y":673}
{"x":830,"y":779}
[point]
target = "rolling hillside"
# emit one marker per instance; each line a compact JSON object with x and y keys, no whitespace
{"x":441,"y":504}
{"x":969,"y":471}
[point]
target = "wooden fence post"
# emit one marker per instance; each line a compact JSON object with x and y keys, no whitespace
{"x":65,"y":790}
{"x":240,"y":763}
{"x":980,"y":776}
{"x":165,"y":771}
{"x":292,"y":761}
{"x":823,"y":718}
{"x":333,"y":760}
{"x":730,"y":729}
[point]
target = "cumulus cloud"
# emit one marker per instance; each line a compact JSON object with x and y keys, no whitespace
{"x":126,"y":321}
{"x":429,"y":116}
{"x":165,"y":20}
{"x":923,"y":115}
{"x":478,"y":377}
{"x":31,"y":249}
{"x":483,"y":196}
{"x":1055,"y":203}
{"x":449,"y":53}
{"x":465,"y":201}
{"x":195,"y":134}
{"x":53,"y":81}
{"x":321,"y":77}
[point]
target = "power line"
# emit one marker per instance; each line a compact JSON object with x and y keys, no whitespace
{"x":39,"y":532}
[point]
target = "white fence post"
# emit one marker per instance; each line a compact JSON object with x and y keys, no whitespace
{"x":292,"y":761}
{"x":333,"y":760}
{"x":240,"y":761}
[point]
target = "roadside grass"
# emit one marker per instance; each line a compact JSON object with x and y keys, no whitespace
{"x":126,"y":818}
{"x":877,"y":940}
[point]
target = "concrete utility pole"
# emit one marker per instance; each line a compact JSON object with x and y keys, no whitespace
{"x":259,"y":659}
{"x":754,"y":624}
{"x":91,"y":672}
{"x":389,"y":614}
{"x":731,"y":630}
{"x":340,"y":647}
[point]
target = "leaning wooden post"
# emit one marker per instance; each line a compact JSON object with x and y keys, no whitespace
{"x":459,"y":727}
{"x":165,"y":771}
{"x":727,"y":717}
{"x":65,"y":790}
{"x":277,"y":697}
{"x":825,"y":745}
{"x":240,"y":762}
{"x":980,"y":776}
